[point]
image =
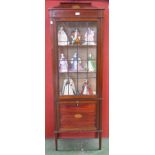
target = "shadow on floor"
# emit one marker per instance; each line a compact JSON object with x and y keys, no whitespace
{"x":76,"y":147}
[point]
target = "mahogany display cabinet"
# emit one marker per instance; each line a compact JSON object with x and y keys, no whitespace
{"x":77,"y":54}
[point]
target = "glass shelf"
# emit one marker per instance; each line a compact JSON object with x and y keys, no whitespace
{"x":85,"y":46}
{"x":77,"y":45}
{"x":76,"y":72}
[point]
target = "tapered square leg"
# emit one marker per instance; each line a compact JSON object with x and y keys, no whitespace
{"x":100,"y":141}
{"x":56,"y":141}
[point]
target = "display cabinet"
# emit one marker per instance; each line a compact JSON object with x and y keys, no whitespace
{"x":77,"y":34}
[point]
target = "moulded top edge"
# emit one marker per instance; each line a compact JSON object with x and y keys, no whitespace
{"x":76,"y":9}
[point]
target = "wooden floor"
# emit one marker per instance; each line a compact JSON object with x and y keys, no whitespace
{"x":77,"y":147}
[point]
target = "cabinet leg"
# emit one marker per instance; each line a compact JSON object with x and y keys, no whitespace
{"x":56,"y":142}
{"x":96,"y":135}
{"x":100,"y":141}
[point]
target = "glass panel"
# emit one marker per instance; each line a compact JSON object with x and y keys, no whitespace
{"x":77,"y":52}
{"x":87,"y":86}
{"x":67,"y":86}
{"x":91,"y":37}
{"x":92,"y":51}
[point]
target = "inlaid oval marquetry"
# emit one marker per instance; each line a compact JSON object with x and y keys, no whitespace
{"x":78,"y":116}
{"x":76,"y":6}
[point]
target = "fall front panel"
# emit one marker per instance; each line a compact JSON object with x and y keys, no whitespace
{"x":77,"y":115}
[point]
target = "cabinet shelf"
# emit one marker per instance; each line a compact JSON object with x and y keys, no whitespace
{"x":77,"y":46}
{"x":77,"y":72}
{"x":81,"y":78}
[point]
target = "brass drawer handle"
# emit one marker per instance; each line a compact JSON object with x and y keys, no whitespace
{"x":78,"y":116}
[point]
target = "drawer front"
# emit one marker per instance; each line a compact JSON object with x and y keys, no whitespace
{"x":75,"y":13}
{"x":78,"y":116}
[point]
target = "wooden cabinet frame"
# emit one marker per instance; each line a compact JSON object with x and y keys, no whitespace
{"x":79,"y":106}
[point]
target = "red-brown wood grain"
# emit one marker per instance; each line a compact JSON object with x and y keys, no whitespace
{"x":77,"y":116}
{"x":70,"y":13}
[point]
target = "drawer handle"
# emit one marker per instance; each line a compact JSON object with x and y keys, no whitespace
{"x":78,"y":116}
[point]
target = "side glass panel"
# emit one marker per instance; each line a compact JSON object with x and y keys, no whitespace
{"x":77,"y":53}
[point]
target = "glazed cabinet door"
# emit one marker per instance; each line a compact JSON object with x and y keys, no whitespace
{"x":77,"y":58}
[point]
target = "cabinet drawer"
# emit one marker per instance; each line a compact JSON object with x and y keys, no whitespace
{"x":80,"y":116}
